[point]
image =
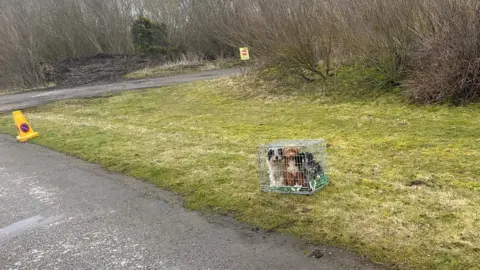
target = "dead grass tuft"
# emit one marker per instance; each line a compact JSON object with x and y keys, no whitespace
{"x":182,"y":66}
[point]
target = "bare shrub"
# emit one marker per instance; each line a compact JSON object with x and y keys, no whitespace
{"x":383,"y":33}
{"x":204,"y":34}
{"x":34,"y":32}
{"x":445,"y":68}
{"x":308,"y":38}
{"x":297,"y":36}
{"x":18,"y":63}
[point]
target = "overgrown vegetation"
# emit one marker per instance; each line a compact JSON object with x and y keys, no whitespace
{"x":446,"y":67}
{"x":404,"y":179}
{"x":430,"y":46}
{"x":149,"y":36}
{"x":183,"y":66}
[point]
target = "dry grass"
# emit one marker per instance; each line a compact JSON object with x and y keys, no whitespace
{"x":187,"y":64}
{"x":5,"y":92}
{"x":199,"y":140}
{"x":180,"y":67}
{"x":19,"y":90}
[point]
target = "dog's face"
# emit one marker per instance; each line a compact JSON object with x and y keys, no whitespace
{"x":306,"y":160}
{"x":275,"y":154}
{"x":291,"y":152}
{"x":300,"y":159}
{"x":307,"y":157}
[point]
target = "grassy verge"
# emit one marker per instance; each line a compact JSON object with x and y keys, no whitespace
{"x":181,"y":67}
{"x":9,"y":91}
{"x":199,"y":140}
{"x":19,"y":90}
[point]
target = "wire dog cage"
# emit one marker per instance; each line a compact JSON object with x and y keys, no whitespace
{"x":293,"y":166}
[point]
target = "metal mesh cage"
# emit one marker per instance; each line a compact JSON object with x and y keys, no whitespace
{"x":293,"y":166}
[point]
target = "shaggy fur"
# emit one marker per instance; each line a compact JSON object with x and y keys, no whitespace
{"x":291,"y":171}
{"x":275,"y":167}
{"x":309,"y":167}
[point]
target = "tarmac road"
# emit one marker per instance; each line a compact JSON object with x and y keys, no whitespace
{"x":34,"y":98}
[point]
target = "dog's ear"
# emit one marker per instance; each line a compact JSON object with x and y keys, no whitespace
{"x":270,"y":153}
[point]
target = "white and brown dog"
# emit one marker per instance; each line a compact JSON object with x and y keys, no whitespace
{"x":292,"y":169}
{"x":275,"y":167}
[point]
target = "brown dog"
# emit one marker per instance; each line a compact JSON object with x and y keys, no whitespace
{"x":291,"y":170}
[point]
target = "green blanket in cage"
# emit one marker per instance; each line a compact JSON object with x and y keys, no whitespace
{"x":316,"y":184}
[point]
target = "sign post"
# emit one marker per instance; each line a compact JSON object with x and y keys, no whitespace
{"x":244,"y":54}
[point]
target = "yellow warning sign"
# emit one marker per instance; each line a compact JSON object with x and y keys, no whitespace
{"x":244,"y":55}
{"x":25,"y":132}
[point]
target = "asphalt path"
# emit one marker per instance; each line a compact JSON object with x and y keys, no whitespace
{"x":34,"y":98}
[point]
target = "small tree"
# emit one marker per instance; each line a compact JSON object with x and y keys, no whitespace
{"x":150,"y":37}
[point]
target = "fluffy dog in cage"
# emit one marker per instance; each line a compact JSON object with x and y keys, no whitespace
{"x":309,"y":167}
{"x":292,"y":169}
{"x":275,"y":166}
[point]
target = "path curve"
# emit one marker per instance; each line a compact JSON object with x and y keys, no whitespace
{"x":29,"y":99}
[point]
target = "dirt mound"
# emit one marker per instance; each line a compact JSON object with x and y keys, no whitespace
{"x":101,"y":68}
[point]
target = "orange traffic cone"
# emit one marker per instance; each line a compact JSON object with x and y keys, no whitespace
{"x":25,"y":132}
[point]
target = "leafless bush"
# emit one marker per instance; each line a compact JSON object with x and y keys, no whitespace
{"x":17,"y":63}
{"x":446,"y":66}
{"x":381,"y":32}
{"x":34,"y":32}
{"x":307,"y":38}
{"x":296,"y":35}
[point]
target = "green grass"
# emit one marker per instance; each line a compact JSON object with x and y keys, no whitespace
{"x":199,"y":140}
{"x":181,"y":67}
